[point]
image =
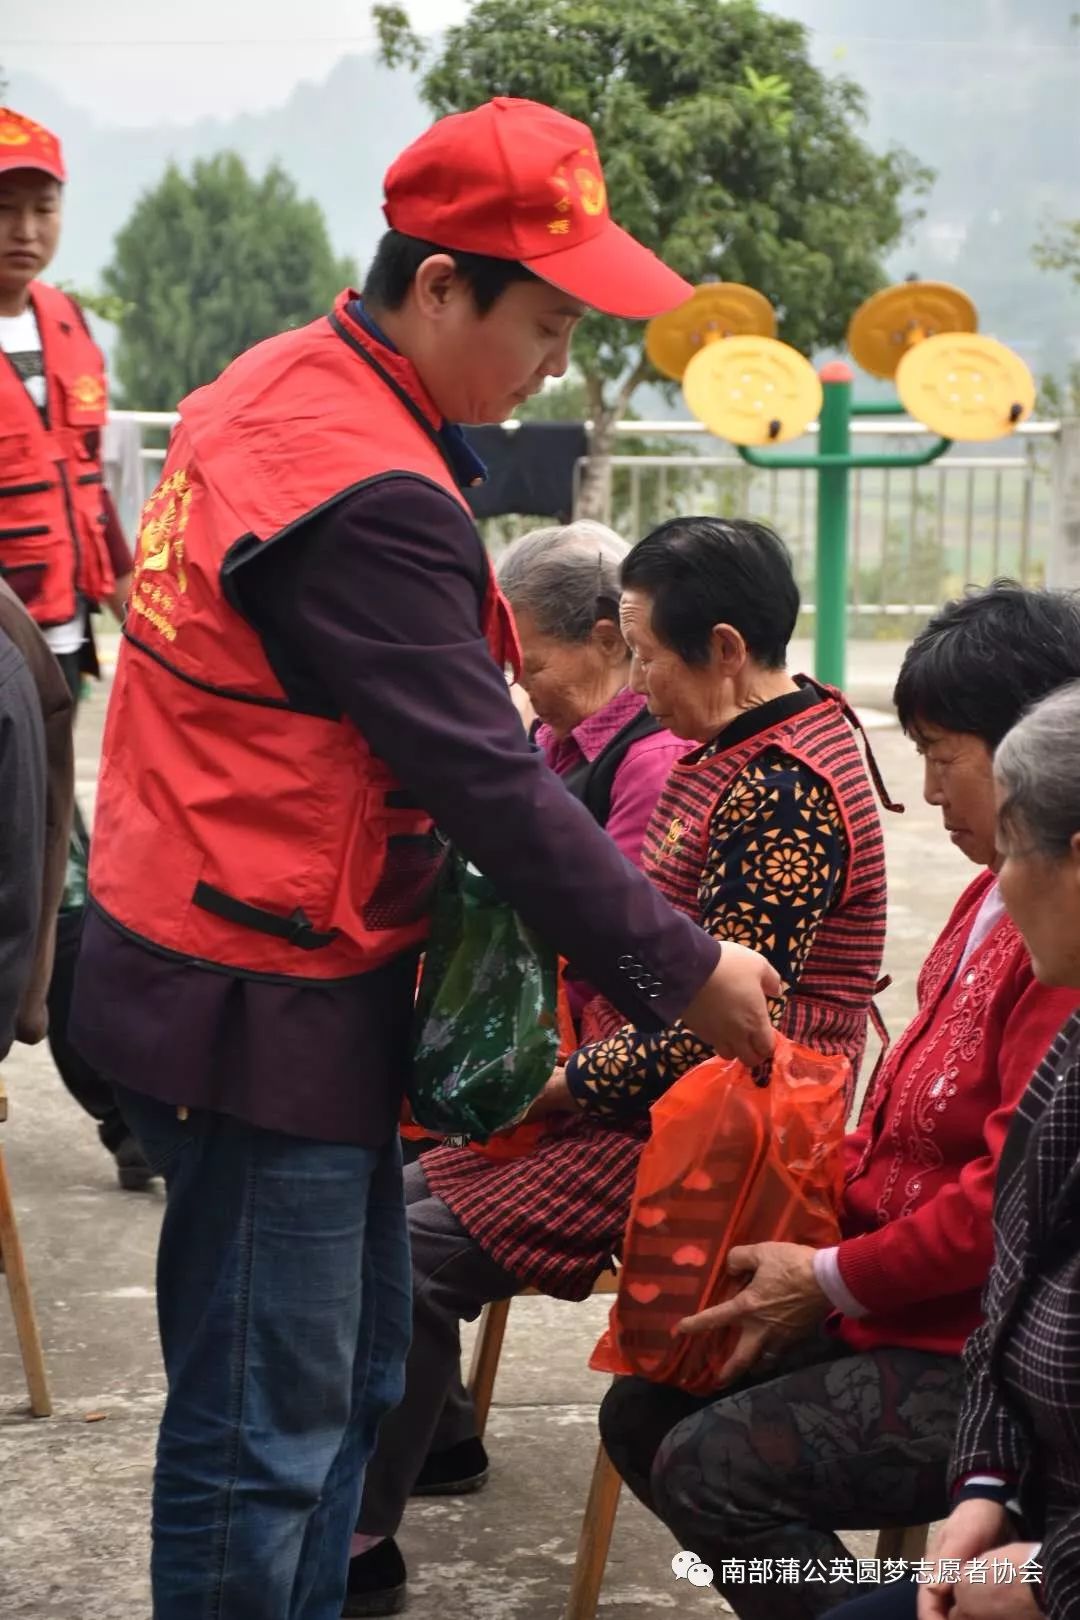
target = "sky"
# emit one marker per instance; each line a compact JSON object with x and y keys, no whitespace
{"x":147,"y":61}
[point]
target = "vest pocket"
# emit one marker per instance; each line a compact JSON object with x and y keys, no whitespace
{"x":404,"y":891}
{"x":27,"y":580}
{"x":26,"y":492}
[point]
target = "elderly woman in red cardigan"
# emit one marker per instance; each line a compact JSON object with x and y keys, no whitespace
{"x":1010,"y":1549}
{"x":842,"y":1406}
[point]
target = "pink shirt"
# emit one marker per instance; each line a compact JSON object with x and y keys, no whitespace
{"x":640,"y":778}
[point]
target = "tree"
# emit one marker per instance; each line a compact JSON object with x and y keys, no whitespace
{"x":1058,"y":248}
{"x":725,"y":149}
{"x":106,"y":306}
{"x":208,"y":265}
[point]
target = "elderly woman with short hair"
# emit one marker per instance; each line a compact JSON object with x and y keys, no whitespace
{"x":598,"y":736}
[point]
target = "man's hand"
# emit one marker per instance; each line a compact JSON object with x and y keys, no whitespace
{"x":971,"y":1529}
{"x":780,"y":1302}
{"x":729,"y":1011}
{"x":556,"y":1098}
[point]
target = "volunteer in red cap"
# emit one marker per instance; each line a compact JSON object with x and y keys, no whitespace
{"x":312,"y":680}
{"x":61,"y":545}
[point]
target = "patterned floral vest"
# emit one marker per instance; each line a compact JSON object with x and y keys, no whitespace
{"x":829,"y":1006}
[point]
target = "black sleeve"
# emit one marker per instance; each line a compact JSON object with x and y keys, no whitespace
{"x":22,"y":831}
{"x":381,"y":599}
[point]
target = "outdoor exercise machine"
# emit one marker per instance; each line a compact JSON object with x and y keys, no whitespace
{"x":756,"y":392}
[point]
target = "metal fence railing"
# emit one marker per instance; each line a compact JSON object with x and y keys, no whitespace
{"x":916,"y":536}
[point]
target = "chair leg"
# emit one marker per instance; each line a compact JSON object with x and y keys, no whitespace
{"x":485,"y":1360}
{"x":595,"y":1539}
{"x":13,"y":1263}
{"x":906,"y":1541}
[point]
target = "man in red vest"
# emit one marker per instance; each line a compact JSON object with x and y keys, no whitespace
{"x":312,"y":678}
{"x":62,"y":550}
{"x":61,"y":545}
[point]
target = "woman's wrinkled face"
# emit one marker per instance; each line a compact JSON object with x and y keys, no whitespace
{"x":1042,"y":896}
{"x":683,"y":697}
{"x":958,"y":778}
{"x":567,"y":681}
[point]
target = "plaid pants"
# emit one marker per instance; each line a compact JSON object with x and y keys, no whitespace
{"x":820,"y":1440}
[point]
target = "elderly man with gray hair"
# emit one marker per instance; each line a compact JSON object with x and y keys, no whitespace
{"x":598,"y":736}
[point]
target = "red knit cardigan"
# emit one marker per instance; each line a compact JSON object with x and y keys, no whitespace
{"x":921,"y":1166}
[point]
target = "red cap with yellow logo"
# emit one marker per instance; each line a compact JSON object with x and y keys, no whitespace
{"x":26,"y":145}
{"x":517,"y":180}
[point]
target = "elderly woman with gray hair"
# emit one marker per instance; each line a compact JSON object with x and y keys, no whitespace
{"x":563,"y":587}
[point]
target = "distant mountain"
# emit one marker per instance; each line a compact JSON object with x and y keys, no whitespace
{"x":986,"y":91}
{"x":336,"y":139}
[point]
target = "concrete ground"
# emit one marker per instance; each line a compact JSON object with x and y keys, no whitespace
{"x":74,"y":1489}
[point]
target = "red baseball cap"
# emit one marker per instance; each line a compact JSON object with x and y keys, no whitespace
{"x":517,"y":180}
{"x":26,"y":145}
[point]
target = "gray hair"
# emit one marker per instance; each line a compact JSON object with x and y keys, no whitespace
{"x":566,"y":577}
{"x":1037,"y":765}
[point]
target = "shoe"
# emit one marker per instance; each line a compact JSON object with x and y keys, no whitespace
{"x":457,"y":1471}
{"x":376,"y":1581}
{"x":132,"y":1171}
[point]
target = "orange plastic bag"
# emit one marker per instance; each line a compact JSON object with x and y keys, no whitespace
{"x":729,"y":1162}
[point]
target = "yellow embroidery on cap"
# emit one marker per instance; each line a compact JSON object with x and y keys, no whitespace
{"x":592,"y":190}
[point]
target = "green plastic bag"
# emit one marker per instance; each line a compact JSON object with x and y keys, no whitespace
{"x":78,"y":860}
{"x":486,"y":1031}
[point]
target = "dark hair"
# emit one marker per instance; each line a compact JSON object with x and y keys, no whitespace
{"x":398,"y":258}
{"x":703,"y":571}
{"x":987,"y":657}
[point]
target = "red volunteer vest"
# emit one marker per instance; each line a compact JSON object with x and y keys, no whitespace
{"x":52,"y":512}
{"x":829,"y":1006}
{"x":235,"y":826}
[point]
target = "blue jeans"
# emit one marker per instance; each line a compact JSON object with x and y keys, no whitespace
{"x":283,"y":1287}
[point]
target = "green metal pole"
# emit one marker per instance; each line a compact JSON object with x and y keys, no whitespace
{"x":834,"y":438}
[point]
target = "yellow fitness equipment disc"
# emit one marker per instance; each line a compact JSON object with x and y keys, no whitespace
{"x":893,"y":321}
{"x":966,"y":387}
{"x":752,"y":390}
{"x":718,"y":309}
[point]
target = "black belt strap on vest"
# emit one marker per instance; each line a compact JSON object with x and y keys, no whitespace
{"x":295,"y":930}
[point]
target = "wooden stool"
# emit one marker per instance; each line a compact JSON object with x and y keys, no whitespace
{"x":603,"y":1499}
{"x":13,"y":1264}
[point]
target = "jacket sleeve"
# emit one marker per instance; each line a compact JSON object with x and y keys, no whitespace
{"x":946,"y":1245}
{"x":382,"y":602}
{"x":22,"y":832}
